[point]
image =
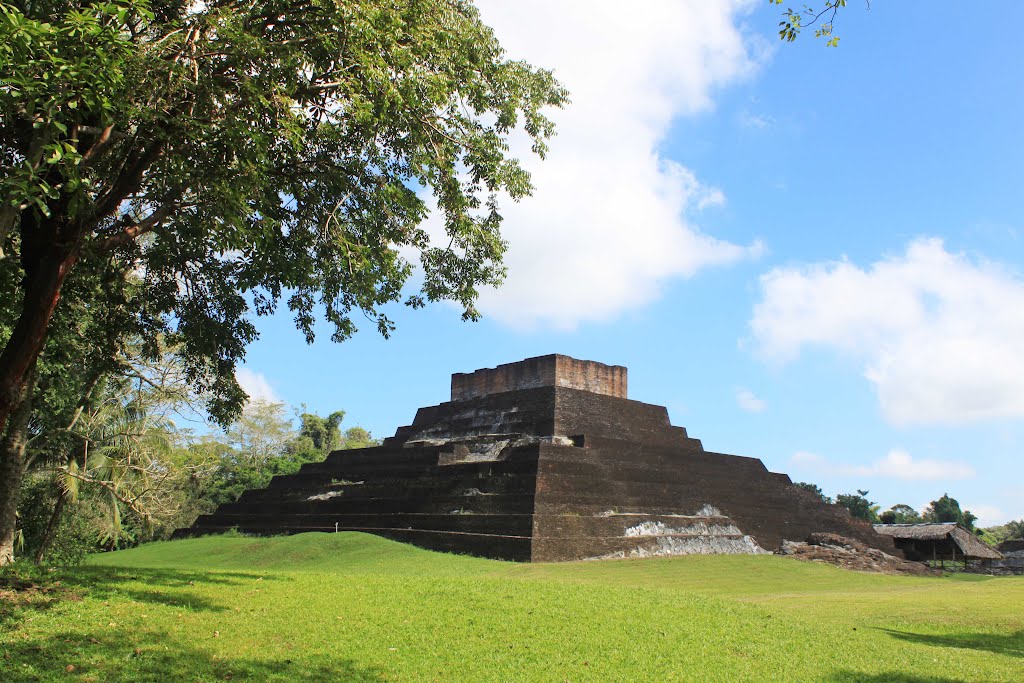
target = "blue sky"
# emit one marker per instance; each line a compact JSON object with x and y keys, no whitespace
{"x":809,"y":255}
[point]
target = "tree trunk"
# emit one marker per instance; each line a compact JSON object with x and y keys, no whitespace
{"x":49,"y":250}
{"x":48,"y":255}
{"x":52,"y":525}
{"x":12,"y":468}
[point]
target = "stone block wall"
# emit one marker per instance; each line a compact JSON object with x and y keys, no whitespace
{"x":542,"y":371}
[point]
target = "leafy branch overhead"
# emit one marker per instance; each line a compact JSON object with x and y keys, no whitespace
{"x":258,"y":151}
{"x":822,"y":21}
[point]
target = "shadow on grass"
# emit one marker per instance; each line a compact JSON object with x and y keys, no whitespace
{"x":1005,"y":644}
{"x":168,"y":587}
{"x":170,"y":578}
{"x":159,"y":657}
{"x":889,"y":677}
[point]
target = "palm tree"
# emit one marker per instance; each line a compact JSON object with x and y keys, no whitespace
{"x":116,"y":448}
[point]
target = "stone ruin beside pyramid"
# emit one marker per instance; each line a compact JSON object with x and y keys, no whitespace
{"x":543,"y":460}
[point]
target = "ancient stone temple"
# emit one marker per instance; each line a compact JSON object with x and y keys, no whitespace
{"x":543,"y":460}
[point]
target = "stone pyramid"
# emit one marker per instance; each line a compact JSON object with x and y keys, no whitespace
{"x":543,"y":460}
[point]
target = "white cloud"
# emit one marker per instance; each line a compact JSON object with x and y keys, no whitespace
{"x":609,"y":223}
{"x":806,"y":458}
{"x":988,"y":515}
{"x":897,"y":464}
{"x":939,"y":334}
{"x":256,"y":385}
{"x":746,"y":400}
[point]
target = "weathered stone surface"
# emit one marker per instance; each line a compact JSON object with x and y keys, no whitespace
{"x":544,"y":460}
{"x":543,"y":371}
{"x":850,"y":553}
{"x":1013,"y":557}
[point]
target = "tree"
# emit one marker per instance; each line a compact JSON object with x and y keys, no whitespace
{"x":115,"y":450}
{"x":859,"y":505}
{"x":357,"y":437}
{"x":88,"y":340}
{"x":261,"y":433}
{"x":947,"y":509}
{"x":235,"y":154}
{"x":900,"y":514}
{"x":323,"y":432}
{"x":822,"y":21}
{"x":815,"y":489}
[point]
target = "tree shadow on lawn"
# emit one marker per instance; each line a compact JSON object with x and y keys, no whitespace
{"x":159,"y":657}
{"x":168,"y":587}
{"x":106,"y":583}
{"x":1005,"y":644}
{"x":164,"y":577}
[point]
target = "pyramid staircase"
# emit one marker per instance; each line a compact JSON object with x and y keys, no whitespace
{"x":543,"y":460}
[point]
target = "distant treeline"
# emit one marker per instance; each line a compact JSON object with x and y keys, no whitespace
{"x":943,"y":509}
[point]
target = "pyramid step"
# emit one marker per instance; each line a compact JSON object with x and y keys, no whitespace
{"x":511,"y":525}
{"x":472,"y":500}
{"x":312,"y":489}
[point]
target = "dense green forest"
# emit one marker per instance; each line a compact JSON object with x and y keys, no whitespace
{"x":135,"y":459}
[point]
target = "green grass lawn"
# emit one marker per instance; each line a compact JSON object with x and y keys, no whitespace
{"x":352,"y":607}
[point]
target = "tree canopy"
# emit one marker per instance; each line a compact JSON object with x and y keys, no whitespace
{"x":814,"y":489}
{"x":267,"y":150}
{"x":225,"y":158}
{"x":946,"y":509}
{"x":900,"y":513}
{"x":859,"y":505}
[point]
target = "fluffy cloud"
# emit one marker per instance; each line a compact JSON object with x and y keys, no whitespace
{"x":256,"y":385}
{"x":746,"y":400}
{"x":939,"y":334}
{"x":988,"y":515}
{"x":609,"y":222}
{"x":806,"y":458}
{"x":897,"y":464}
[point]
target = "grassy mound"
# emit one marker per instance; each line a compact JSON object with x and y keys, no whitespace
{"x":353,"y":607}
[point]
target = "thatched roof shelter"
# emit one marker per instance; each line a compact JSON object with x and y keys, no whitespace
{"x":937,"y":541}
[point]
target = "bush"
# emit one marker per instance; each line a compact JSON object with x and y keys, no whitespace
{"x":75,"y":536}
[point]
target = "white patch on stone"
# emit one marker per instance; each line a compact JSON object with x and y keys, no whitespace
{"x":325,"y":496}
{"x":664,"y":546}
{"x":485,"y":447}
{"x":475,"y":492}
{"x":658,"y":528}
{"x":700,"y":545}
{"x":708,"y":511}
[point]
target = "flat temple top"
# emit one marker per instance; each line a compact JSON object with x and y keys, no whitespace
{"x":554,"y":370}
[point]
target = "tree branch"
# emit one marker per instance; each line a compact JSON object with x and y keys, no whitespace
{"x":105,"y":136}
{"x":108,"y":486}
{"x":128,"y":181}
{"x":126,"y":231}
{"x":136,"y":230}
